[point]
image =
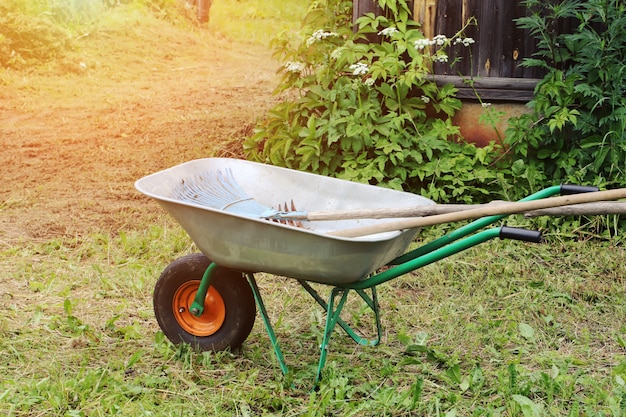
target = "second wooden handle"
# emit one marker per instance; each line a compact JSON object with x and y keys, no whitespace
{"x":487,"y":210}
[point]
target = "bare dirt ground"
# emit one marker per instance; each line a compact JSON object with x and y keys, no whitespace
{"x":76,"y":135}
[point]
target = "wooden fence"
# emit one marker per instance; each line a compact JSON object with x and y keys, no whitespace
{"x":493,"y":61}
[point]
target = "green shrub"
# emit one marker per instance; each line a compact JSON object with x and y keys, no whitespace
{"x":575,"y":131}
{"x":35,"y":32}
{"x":29,"y":38}
{"x":369,"y":111}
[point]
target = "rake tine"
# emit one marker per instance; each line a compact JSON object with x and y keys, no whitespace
{"x":291,"y":222}
{"x":233,"y":192}
{"x":201,"y":189}
{"x":287,"y":209}
{"x":279,"y":220}
{"x":293,"y":208}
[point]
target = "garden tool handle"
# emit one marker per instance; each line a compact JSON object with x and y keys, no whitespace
{"x":569,"y":189}
{"x":489,"y":210}
{"x":517,"y":233}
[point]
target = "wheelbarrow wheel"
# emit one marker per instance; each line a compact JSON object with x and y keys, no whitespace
{"x":229,"y":307}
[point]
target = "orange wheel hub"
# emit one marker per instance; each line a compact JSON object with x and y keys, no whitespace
{"x":214,"y":310}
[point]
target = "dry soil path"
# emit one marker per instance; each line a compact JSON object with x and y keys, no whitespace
{"x":75,"y":136}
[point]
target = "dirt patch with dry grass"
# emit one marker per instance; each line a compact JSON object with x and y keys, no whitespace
{"x":74,"y":136}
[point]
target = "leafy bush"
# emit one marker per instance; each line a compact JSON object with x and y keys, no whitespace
{"x":26,"y":38}
{"x":40,"y":31}
{"x":576,"y":131}
{"x":369,"y":111}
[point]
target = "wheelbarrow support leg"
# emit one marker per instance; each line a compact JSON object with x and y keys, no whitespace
{"x":371,"y":302}
{"x":332,"y":318}
{"x":268,"y":326}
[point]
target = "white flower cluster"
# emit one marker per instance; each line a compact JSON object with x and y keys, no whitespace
{"x":464,"y":41}
{"x":422,"y":43}
{"x":440,"y":40}
{"x":319,"y":35}
{"x":359,"y":69}
{"x":296,"y":67}
{"x":388,"y":31}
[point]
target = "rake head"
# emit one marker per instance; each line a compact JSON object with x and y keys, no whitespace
{"x":220,"y":190}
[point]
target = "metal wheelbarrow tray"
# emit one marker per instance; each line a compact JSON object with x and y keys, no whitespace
{"x":209,"y":300}
{"x":256,"y":245}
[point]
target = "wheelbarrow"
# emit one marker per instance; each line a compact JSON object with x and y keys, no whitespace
{"x":210,"y":299}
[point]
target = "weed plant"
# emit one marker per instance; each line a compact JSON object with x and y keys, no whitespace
{"x":34,"y":33}
{"x":256,"y":22}
{"x":29,"y":34}
{"x":38,"y":32}
{"x":576,"y":129}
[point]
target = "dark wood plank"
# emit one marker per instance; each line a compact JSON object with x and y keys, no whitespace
{"x":491,"y":88}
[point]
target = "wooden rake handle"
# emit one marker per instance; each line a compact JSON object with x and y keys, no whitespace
{"x":385,"y":213}
{"x":486,"y":210}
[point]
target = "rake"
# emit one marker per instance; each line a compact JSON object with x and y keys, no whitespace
{"x":221,"y":191}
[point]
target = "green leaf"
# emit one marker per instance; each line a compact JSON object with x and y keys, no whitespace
{"x":386,"y":90}
{"x":544,"y":153}
{"x":529,"y":408}
{"x":526,"y":331}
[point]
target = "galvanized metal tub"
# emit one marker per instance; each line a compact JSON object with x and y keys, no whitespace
{"x":256,"y":245}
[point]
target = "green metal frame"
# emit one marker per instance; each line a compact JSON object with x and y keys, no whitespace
{"x":268,"y":325}
{"x":197,"y":306}
{"x":447,"y":245}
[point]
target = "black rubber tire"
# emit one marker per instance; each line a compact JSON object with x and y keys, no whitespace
{"x":232,"y":287}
